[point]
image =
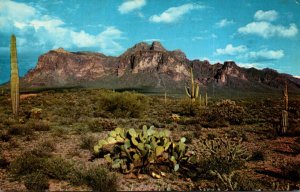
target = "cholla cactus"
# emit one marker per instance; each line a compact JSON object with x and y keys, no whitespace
{"x":226,"y":180}
{"x":225,"y":148}
{"x":193,"y":90}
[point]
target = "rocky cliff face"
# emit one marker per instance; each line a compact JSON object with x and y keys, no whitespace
{"x":144,"y":65}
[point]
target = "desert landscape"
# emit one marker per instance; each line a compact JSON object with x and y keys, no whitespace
{"x":92,"y":115}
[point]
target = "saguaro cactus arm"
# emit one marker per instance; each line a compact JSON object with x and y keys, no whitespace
{"x":193,"y":90}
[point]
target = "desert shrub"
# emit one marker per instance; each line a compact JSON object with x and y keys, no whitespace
{"x":187,"y":107}
{"x":124,"y":104}
{"x":211,"y":136}
{"x":100,"y":180}
{"x":36,"y":181}
{"x":32,"y":161}
{"x":140,"y":150}
{"x":19,"y":129}
{"x":291,"y":170}
{"x":38,"y":125}
{"x":227,"y":110}
{"x":216,"y":123}
{"x":58,"y":168}
{"x":189,"y":121}
{"x":258,"y":156}
{"x":66,"y":120}
{"x":43,"y":149}
{"x":87,"y":142}
{"x":98,"y":125}
{"x":27,"y":163}
{"x":244,"y":183}
{"x":238,"y":134}
{"x":189,"y":137}
{"x":59,"y":131}
{"x":223,"y":156}
{"x":3,"y":162}
{"x":4,"y":137}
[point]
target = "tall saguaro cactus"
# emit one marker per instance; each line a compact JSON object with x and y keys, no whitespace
{"x":285,"y":97}
{"x":193,"y":90}
{"x":284,"y":114}
{"x":14,"y":76}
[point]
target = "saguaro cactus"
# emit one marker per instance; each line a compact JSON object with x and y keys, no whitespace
{"x":14,"y":76}
{"x":285,"y":97}
{"x":193,"y":90}
{"x":284,"y":114}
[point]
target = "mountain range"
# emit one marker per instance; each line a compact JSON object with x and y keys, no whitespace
{"x":150,"y":66}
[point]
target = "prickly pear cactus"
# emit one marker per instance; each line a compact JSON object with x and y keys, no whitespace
{"x":137,"y":150}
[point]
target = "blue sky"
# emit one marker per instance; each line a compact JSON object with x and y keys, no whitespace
{"x":254,"y":33}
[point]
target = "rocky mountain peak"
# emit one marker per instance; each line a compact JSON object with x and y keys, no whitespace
{"x":157,"y":46}
{"x":230,"y":64}
{"x":60,"y":50}
{"x":142,"y":46}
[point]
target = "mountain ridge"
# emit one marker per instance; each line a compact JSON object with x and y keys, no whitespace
{"x":149,"y":65}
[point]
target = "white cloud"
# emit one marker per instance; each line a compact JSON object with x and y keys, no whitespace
{"x":14,"y":13}
{"x":197,"y":38}
{"x":265,"y":54}
{"x":211,"y":61}
{"x":231,"y":50}
{"x":261,"y":15}
{"x":214,"y":36}
{"x":52,"y":31}
{"x":46,"y":22}
{"x":173,"y":14}
{"x":297,"y":76}
{"x":224,"y":23}
{"x":267,"y":30}
{"x":250,"y":65}
{"x":131,"y":5}
{"x":151,"y":40}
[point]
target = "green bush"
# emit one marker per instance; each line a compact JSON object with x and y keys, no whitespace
{"x":226,"y":110}
{"x":58,"y":168}
{"x":87,"y":142}
{"x":187,"y":107}
{"x":36,"y":181}
{"x":27,"y":163}
{"x":100,"y":180}
{"x":38,"y":125}
{"x":19,"y":129}
{"x":98,"y":125}
{"x":124,"y":104}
